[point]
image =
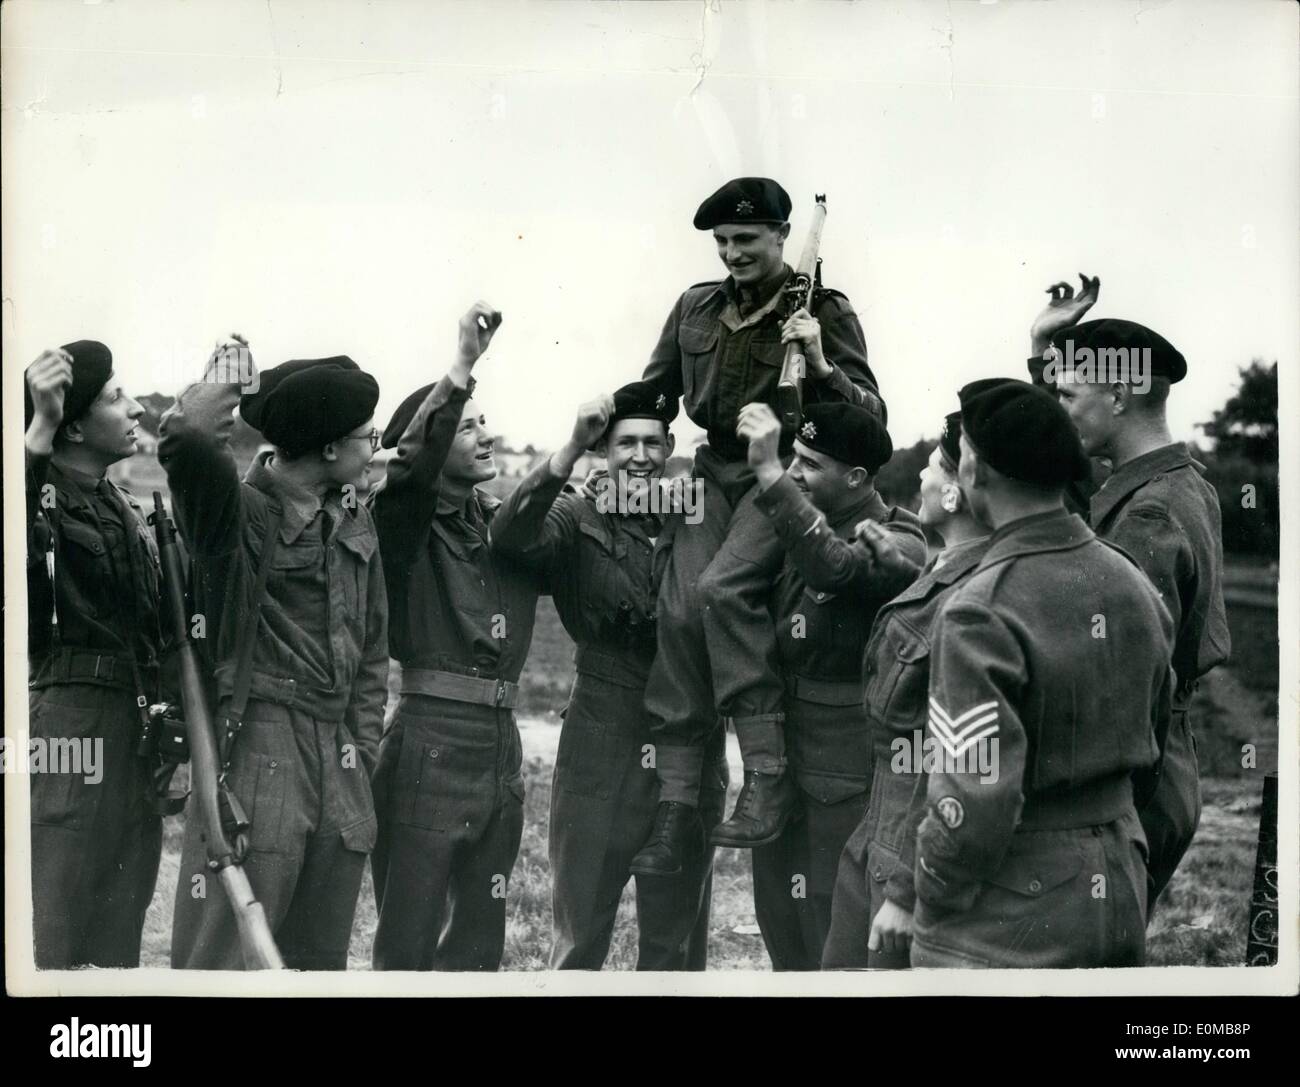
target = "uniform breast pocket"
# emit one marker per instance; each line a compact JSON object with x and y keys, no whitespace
{"x":698,"y":344}
{"x":768,"y":350}
{"x":898,"y":691}
{"x":295,"y":572}
{"x":818,"y":612}
{"x":85,"y":552}
{"x":353,"y":570}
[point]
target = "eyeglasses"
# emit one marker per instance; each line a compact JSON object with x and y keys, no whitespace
{"x":372,"y":436}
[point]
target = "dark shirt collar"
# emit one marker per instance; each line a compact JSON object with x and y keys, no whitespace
{"x":870,"y":505}
{"x":1137,"y":473}
{"x":84,"y":480}
{"x":727,"y":290}
{"x":1055,"y":530}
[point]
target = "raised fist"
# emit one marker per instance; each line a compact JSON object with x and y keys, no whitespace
{"x":49,"y":379}
{"x":476,"y":330}
{"x":593,"y":419}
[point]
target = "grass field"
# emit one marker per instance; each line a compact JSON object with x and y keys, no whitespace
{"x":1201,"y":921}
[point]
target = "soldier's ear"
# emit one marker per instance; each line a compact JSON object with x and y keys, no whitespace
{"x":783,"y":231}
{"x":329,"y":452}
{"x":601,"y":448}
{"x":1119,"y":397}
{"x":670,"y":442}
{"x":72,"y":432}
{"x":856,"y":477}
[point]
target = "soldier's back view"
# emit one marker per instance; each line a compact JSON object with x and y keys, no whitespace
{"x":1053,"y":656}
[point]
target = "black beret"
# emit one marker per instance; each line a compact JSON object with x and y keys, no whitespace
{"x":1110,"y":333}
{"x":643,"y":400}
{"x":847,"y":432}
{"x":305,"y":404}
{"x":403,"y":415}
{"x":1022,"y":431}
{"x":406,"y":412}
{"x":92,"y":365}
{"x":950,"y":440}
{"x":745,"y":200}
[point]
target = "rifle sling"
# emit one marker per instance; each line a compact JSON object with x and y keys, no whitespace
{"x":244,"y":662}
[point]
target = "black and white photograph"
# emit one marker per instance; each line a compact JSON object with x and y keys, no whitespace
{"x":728,"y":497}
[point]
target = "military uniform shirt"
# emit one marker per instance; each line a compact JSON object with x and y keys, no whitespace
{"x":323,"y":632}
{"x":106,"y":573}
{"x":1159,"y":509}
{"x":718,"y":360}
{"x":1021,"y":657}
{"x":600,"y":567}
{"x":455,"y":605}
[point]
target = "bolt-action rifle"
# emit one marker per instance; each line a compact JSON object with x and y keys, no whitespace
{"x":800,"y":293}
{"x":260,"y":952}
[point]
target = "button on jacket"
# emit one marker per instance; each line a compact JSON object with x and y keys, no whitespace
{"x":718,"y":361}
{"x":105,"y":576}
{"x":454,"y":605}
{"x":322,"y":643}
{"x":1056,"y":649}
{"x":1163,"y":513}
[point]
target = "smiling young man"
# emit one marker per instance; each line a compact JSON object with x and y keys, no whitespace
{"x":824,"y":590}
{"x":722,"y":347}
{"x":449,"y":789}
{"x":602,"y":558}
{"x":314,"y":684}
{"x":93,"y":647}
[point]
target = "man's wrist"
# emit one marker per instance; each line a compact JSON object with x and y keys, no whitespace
{"x":461,"y":370}
{"x":768,"y":473}
{"x":40,"y":436}
{"x":562,"y":461}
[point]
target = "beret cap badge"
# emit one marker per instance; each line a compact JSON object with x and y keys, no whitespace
{"x":745,"y":208}
{"x":808,"y":430}
{"x":660,"y":401}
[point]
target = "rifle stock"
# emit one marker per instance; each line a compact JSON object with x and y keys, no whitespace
{"x":799,"y":294}
{"x":255,"y":938}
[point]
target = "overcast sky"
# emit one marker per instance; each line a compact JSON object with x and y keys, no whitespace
{"x":347,"y":178}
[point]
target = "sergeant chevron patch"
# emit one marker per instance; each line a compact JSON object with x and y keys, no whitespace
{"x":966,"y":729}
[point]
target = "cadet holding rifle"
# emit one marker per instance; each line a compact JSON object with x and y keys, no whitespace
{"x":603,"y":564}
{"x":824,"y":592}
{"x":288,"y":579}
{"x":449,"y":789}
{"x":723,"y":346}
{"x":93,"y":649}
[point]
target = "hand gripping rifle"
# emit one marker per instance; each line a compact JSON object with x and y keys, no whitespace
{"x":260,"y":952}
{"x":800,"y":293}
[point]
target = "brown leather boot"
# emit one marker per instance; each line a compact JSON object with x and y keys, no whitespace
{"x":677,"y":838}
{"x":766,"y":803}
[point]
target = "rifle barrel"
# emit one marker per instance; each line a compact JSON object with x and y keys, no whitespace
{"x":255,"y":936}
